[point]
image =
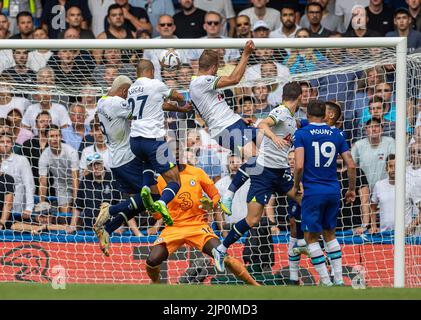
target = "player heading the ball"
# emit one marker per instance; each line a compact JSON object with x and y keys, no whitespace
{"x":225,"y":126}
{"x":316,"y":148}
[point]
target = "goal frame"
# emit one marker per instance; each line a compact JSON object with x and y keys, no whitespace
{"x":399,"y":43}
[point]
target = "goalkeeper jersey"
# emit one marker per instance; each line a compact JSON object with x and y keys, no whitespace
{"x":211,"y":105}
{"x":113,"y":114}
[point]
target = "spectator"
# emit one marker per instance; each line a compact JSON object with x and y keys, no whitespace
{"x":20,"y":73}
{"x":53,"y":17}
{"x":246,"y":108}
{"x":99,"y":147}
{"x":307,"y":93}
{"x":110,"y":73}
{"x":259,"y":11}
{"x":288,"y":26}
{"x":14,"y":8}
{"x":225,"y":10}
{"x":413,"y":181}
{"x":88,"y":98}
{"x":355,"y":215}
{"x":74,"y":20}
{"x":359,"y":22}
{"x":306,"y":59}
{"x":58,"y":112}
{"x":19,"y":168}
{"x":329,"y":20}
{"x":184,"y":75}
{"x":37,"y":59}
{"x":261,"y":93}
{"x":19,"y":134}
{"x":380,"y":17}
{"x":414,"y":8}
{"x":95,"y":188}
{"x":5,"y":25}
{"x":383,"y":202}
{"x":46,"y":76}
{"x":115,"y":30}
{"x":239,"y":202}
{"x":113,"y":57}
{"x":62,"y":162}
{"x":314,"y":13}
{"x":260,"y":29}
{"x":370,"y":153}
{"x":7,"y":101}
{"x":189,"y":21}
{"x":344,"y":10}
{"x":135,"y":18}
{"x":377,"y":108}
{"x":6,"y":55}
{"x":74,"y":134}
{"x":33,"y":148}
{"x":243,"y":27}
{"x":384,"y":91}
{"x":25,"y":26}
{"x":98,"y":8}
{"x":402,"y":21}
{"x":7,"y":189}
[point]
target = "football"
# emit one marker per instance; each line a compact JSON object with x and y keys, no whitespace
{"x":170,"y":59}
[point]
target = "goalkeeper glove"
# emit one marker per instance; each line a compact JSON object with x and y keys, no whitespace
{"x":206,"y":204}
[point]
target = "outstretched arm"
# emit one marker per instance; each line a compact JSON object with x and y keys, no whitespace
{"x":237,"y":74}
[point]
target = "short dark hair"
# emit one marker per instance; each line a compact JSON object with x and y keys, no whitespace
{"x":401,"y":10}
{"x":42,"y":113}
{"x":306,"y":83}
{"x":335,"y":107}
{"x":244,"y":99}
{"x":53,"y":127}
{"x":24,"y":14}
{"x":371,"y":120}
{"x":14,"y":110}
{"x":113,"y":7}
{"x":314,"y":4}
{"x":291,"y":91}
{"x":376,"y":99}
{"x":4,"y":122}
{"x":7,"y":135}
{"x":288,"y":6}
{"x":316,"y":108}
{"x":390,"y":157}
{"x":94,"y":123}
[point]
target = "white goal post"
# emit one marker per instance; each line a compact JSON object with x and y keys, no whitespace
{"x":400,"y":45}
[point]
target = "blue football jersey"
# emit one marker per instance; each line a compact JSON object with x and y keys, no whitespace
{"x":321,"y":146}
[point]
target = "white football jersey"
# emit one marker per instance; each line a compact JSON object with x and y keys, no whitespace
{"x":210,"y":104}
{"x":145,"y":98}
{"x":270,"y":155}
{"x":113,"y":114}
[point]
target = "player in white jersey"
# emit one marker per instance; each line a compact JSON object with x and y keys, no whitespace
{"x":225,"y":126}
{"x":147,"y":97}
{"x":272,"y":174}
{"x":112,"y":116}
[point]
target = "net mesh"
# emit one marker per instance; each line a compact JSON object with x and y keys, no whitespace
{"x":37,"y":242}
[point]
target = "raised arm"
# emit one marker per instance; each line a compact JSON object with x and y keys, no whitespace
{"x":237,"y":74}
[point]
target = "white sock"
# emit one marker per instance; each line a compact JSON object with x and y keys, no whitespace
{"x":229,"y":194}
{"x":318,"y":260}
{"x":295,"y":262}
{"x":334,"y":252}
{"x":222,"y":248}
{"x":301,"y":243}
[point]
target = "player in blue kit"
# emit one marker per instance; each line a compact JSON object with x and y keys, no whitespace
{"x":316,"y":148}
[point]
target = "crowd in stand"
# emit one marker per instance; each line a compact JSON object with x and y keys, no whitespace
{"x":52,"y":150}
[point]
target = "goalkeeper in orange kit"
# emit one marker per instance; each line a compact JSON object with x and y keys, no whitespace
{"x":189,"y":211}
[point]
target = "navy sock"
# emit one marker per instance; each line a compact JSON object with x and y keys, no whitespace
{"x":117,"y":221}
{"x":300,"y":233}
{"x":236,"y":232}
{"x":242,"y":175}
{"x":170,"y":191}
{"x":133,"y":204}
{"x":155,"y":196}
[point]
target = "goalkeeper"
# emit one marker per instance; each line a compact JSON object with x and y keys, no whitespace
{"x":189,"y":211}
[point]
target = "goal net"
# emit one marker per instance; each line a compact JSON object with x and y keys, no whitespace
{"x":61,"y":87}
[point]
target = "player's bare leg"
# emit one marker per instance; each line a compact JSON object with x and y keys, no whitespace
{"x":333,"y":250}
{"x":234,"y":265}
{"x":158,"y":254}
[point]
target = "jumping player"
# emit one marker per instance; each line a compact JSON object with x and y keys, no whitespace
{"x":271,"y":174}
{"x":316,"y":148}
{"x":225,"y":126}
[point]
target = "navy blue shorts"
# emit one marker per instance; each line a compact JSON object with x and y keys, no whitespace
{"x":154,"y":153}
{"x":132,"y":176}
{"x":294,"y":209}
{"x":319,"y":212}
{"x":268,"y":182}
{"x":236,"y":135}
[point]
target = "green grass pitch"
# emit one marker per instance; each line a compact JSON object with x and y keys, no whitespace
{"x":196,"y":292}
